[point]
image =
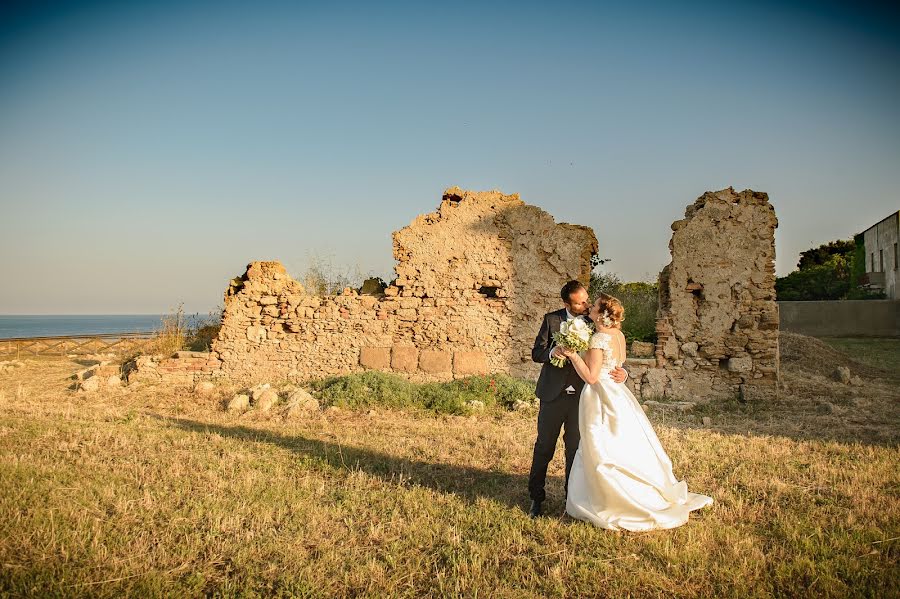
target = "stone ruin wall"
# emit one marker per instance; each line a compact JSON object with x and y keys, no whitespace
{"x":717,"y":323}
{"x":474,"y":280}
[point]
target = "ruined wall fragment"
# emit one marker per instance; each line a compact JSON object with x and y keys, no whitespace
{"x":473,"y":281}
{"x":717,"y":324}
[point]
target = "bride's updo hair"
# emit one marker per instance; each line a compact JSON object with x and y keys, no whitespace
{"x":612,"y":309}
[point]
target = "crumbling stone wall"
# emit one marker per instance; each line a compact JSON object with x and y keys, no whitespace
{"x":473,"y":282}
{"x":717,"y":323}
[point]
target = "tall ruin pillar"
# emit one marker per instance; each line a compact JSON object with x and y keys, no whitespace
{"x":717,"y":323}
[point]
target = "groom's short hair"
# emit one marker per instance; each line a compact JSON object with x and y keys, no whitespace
{"x":568,"y":289}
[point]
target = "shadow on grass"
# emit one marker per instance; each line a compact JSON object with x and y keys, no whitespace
{"x":465,"y":482}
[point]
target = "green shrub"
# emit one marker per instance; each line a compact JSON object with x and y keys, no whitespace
{"x":497,"y":390}
{"x":373,"y":389}
{"x":440,"y":398}
{"x":366,"y":389}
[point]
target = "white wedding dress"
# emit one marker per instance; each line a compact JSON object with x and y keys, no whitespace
{"x":622,"y":478}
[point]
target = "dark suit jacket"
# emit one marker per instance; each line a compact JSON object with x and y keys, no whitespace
{"x":553,"y":380}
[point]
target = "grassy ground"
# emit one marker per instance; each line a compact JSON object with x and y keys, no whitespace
{"x":879,"y":352}
{"x":155,"y":492}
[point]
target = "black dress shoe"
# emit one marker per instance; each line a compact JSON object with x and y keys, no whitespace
{"x":535,"y":510}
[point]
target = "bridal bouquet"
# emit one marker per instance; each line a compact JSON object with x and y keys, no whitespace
{"x":573,"y":334}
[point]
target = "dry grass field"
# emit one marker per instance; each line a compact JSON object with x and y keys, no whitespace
{"x":155,"y":492}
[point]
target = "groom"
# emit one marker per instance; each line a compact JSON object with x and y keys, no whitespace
{"x":559,"y":390}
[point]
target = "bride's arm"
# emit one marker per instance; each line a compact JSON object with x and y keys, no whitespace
{"x":589,"y":367}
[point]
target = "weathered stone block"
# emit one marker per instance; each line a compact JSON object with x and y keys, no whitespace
{"x":653,"y":383}
{"x":469,"y":362}
{"x":256,"y":334}
{"x":690,"y":348}
{"x":405,"y":358}
{"x":375,"y":358}
{"x":743,"y":364}
{"x":433,"y":361}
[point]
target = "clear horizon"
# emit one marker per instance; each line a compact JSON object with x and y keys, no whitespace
{"x":150,"y":151}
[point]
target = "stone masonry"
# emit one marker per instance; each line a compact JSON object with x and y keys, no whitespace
{"x":473,"y":281}
{"x":717,"y":323}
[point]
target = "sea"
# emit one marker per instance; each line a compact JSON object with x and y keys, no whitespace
{"x":81,"y":324}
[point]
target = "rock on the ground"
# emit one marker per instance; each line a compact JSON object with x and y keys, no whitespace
{"x":258,"y":390}
{"x":522,"y":405}
{"x":89,"y":385}
{"x":265,"y":400}
{"x":300,"y":402}
{"x":841,"y":374}
{"x":239,"y":402}
{"x":103,"y":370}
{"x":856,"y":381}
{"x":475,"y":405}
{"x":707,"y":421}
{"x":204,"y":388}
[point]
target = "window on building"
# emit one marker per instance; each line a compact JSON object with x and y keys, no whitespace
{"x":895,"y":256}
{"x":880,"y":260}
{"x":872,"y":262}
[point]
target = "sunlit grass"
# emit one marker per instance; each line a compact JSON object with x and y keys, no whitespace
{"x":154,"y":492}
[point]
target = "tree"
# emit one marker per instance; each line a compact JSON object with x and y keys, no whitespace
{"x":821,"y":255}
{"x":828,"y":281}
{"x":831,"y":271}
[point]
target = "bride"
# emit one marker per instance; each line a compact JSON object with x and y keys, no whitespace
{"x":621,"y":477}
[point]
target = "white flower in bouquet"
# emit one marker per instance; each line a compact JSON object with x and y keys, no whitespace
{"x":574,"y":335}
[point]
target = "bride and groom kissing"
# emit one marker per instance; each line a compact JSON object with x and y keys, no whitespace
{"x":618,"y":476}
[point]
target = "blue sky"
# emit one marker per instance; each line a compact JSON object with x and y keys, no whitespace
{"x":150,"y":150}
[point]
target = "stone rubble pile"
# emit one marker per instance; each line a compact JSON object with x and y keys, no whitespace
{"x":183,"y":367}
{"x":103,"y":375}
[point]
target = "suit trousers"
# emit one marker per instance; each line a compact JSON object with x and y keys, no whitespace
{"x":553,"y":416}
